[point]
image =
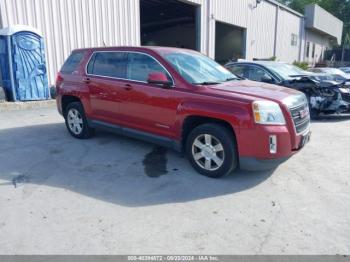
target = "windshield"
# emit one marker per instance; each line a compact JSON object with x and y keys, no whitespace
{"x":285,"y":70}
{"x":199,"y":69}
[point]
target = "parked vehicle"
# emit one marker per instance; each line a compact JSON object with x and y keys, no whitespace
{"x":325,"y":94}
{"x":338,"y":74}
{"x":182,"y":99}
{"x":346,"y":70}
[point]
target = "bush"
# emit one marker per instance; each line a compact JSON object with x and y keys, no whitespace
{"x":301,"y":65}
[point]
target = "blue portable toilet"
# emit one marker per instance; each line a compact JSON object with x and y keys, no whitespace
{"x":22,"y":64}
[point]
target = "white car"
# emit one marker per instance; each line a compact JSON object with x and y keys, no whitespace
{"x":337,"y":73}
{"x":345,"y":69}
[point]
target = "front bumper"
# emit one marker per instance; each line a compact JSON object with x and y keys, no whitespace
{"x":254,"y":146}
{"x":253,"y":164}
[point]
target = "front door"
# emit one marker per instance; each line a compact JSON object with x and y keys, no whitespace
{"x":148,"y":107}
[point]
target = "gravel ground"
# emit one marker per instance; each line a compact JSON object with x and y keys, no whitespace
{"x":114,"y":195}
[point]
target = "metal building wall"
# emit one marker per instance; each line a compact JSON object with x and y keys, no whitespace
{"x":321,"y":42}
{"x":67,"y":24}
{"x":268,"y":27}
{"x":288,"y":24}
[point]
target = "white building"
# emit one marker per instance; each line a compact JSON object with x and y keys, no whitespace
{"x":323,"y":31}
{"x":222,"y":29}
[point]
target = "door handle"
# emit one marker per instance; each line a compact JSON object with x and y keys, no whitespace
{"x":86,"y":80}
{"x":128,"y":87}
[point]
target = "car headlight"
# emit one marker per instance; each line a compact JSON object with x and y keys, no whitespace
{"x":268,"y":113}
{"x":344,"y":90}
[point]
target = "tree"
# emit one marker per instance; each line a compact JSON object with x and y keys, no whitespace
{"x":339,"y":8}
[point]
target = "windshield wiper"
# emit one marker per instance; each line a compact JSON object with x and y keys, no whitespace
{"x":207,"y":83}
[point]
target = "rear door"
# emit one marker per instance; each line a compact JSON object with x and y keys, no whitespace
{"x":148,"y":107}
{"x":106,"y":72}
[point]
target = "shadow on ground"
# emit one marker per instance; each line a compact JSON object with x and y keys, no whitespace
{"x":108,"y":167}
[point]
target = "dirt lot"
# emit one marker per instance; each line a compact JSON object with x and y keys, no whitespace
{"x":114,"y":195}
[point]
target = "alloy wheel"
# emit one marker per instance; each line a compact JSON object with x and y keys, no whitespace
{"x":208,"y":152}
{"x":75,"y":121}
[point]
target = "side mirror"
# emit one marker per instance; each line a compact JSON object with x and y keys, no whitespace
{"x":159,"y":78}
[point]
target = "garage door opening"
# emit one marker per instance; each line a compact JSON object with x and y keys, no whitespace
{"x":169,"y":23}
{"x":229,"y":42}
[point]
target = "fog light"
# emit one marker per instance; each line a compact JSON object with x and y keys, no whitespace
{"x":273,"y":144}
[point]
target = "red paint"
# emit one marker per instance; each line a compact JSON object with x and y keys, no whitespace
{"x":162,"y":110}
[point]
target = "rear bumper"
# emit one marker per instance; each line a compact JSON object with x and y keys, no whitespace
{"x":59,"y":104}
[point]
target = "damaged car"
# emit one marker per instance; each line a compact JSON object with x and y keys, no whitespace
{"x":326,"y":94}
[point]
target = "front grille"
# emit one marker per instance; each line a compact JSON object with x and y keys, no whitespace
{"x":346,"y":97}
{"x":300,"y":118}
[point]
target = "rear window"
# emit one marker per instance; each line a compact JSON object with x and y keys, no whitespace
{"x":72,"y":63}
{"x":110,"y":64}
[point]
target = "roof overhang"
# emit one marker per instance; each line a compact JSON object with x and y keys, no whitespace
{"x":319,"y":20}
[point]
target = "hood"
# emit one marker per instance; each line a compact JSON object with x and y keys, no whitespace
{"x":256,"y":90}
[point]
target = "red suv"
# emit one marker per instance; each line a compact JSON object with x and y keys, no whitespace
{"x":182,"y":99}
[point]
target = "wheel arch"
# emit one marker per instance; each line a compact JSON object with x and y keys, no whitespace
{"x":66,"y":100}
{"x":192,"y":121}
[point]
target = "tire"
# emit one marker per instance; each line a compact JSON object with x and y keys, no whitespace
{"x":214,"y":156}
{"x":314,"y":114}
{"x":2,"y":94}
{"x":76,"y":121}
{"x":53,"y":93}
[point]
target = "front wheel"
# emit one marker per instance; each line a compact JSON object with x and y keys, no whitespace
{"x":211,"y":149}
{"x":76,"y":121}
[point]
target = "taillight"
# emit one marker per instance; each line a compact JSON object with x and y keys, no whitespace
{"x":59,"y":80}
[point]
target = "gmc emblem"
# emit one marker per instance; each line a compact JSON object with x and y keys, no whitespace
{"x":304,"y":113}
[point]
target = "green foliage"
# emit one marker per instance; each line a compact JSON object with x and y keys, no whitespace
{"x":339,"y":8}
{"x":302,"y":65}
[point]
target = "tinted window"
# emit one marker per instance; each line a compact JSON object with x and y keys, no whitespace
{"x":238,"y":70}
{"x":111,"y":64}
{"x":141,"y":65}
{"x":294,"y":41}
{"x":259,"y":74}
{"x":313,"y":50}
{"x":307,"y":49}
{"x":72,"y":62}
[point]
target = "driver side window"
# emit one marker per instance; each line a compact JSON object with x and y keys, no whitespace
{"x":260,"y":75}
{"x":141,"y":65}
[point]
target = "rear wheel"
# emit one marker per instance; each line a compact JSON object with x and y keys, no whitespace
{"x":76,"y":121}
{"x":211,"y":149}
